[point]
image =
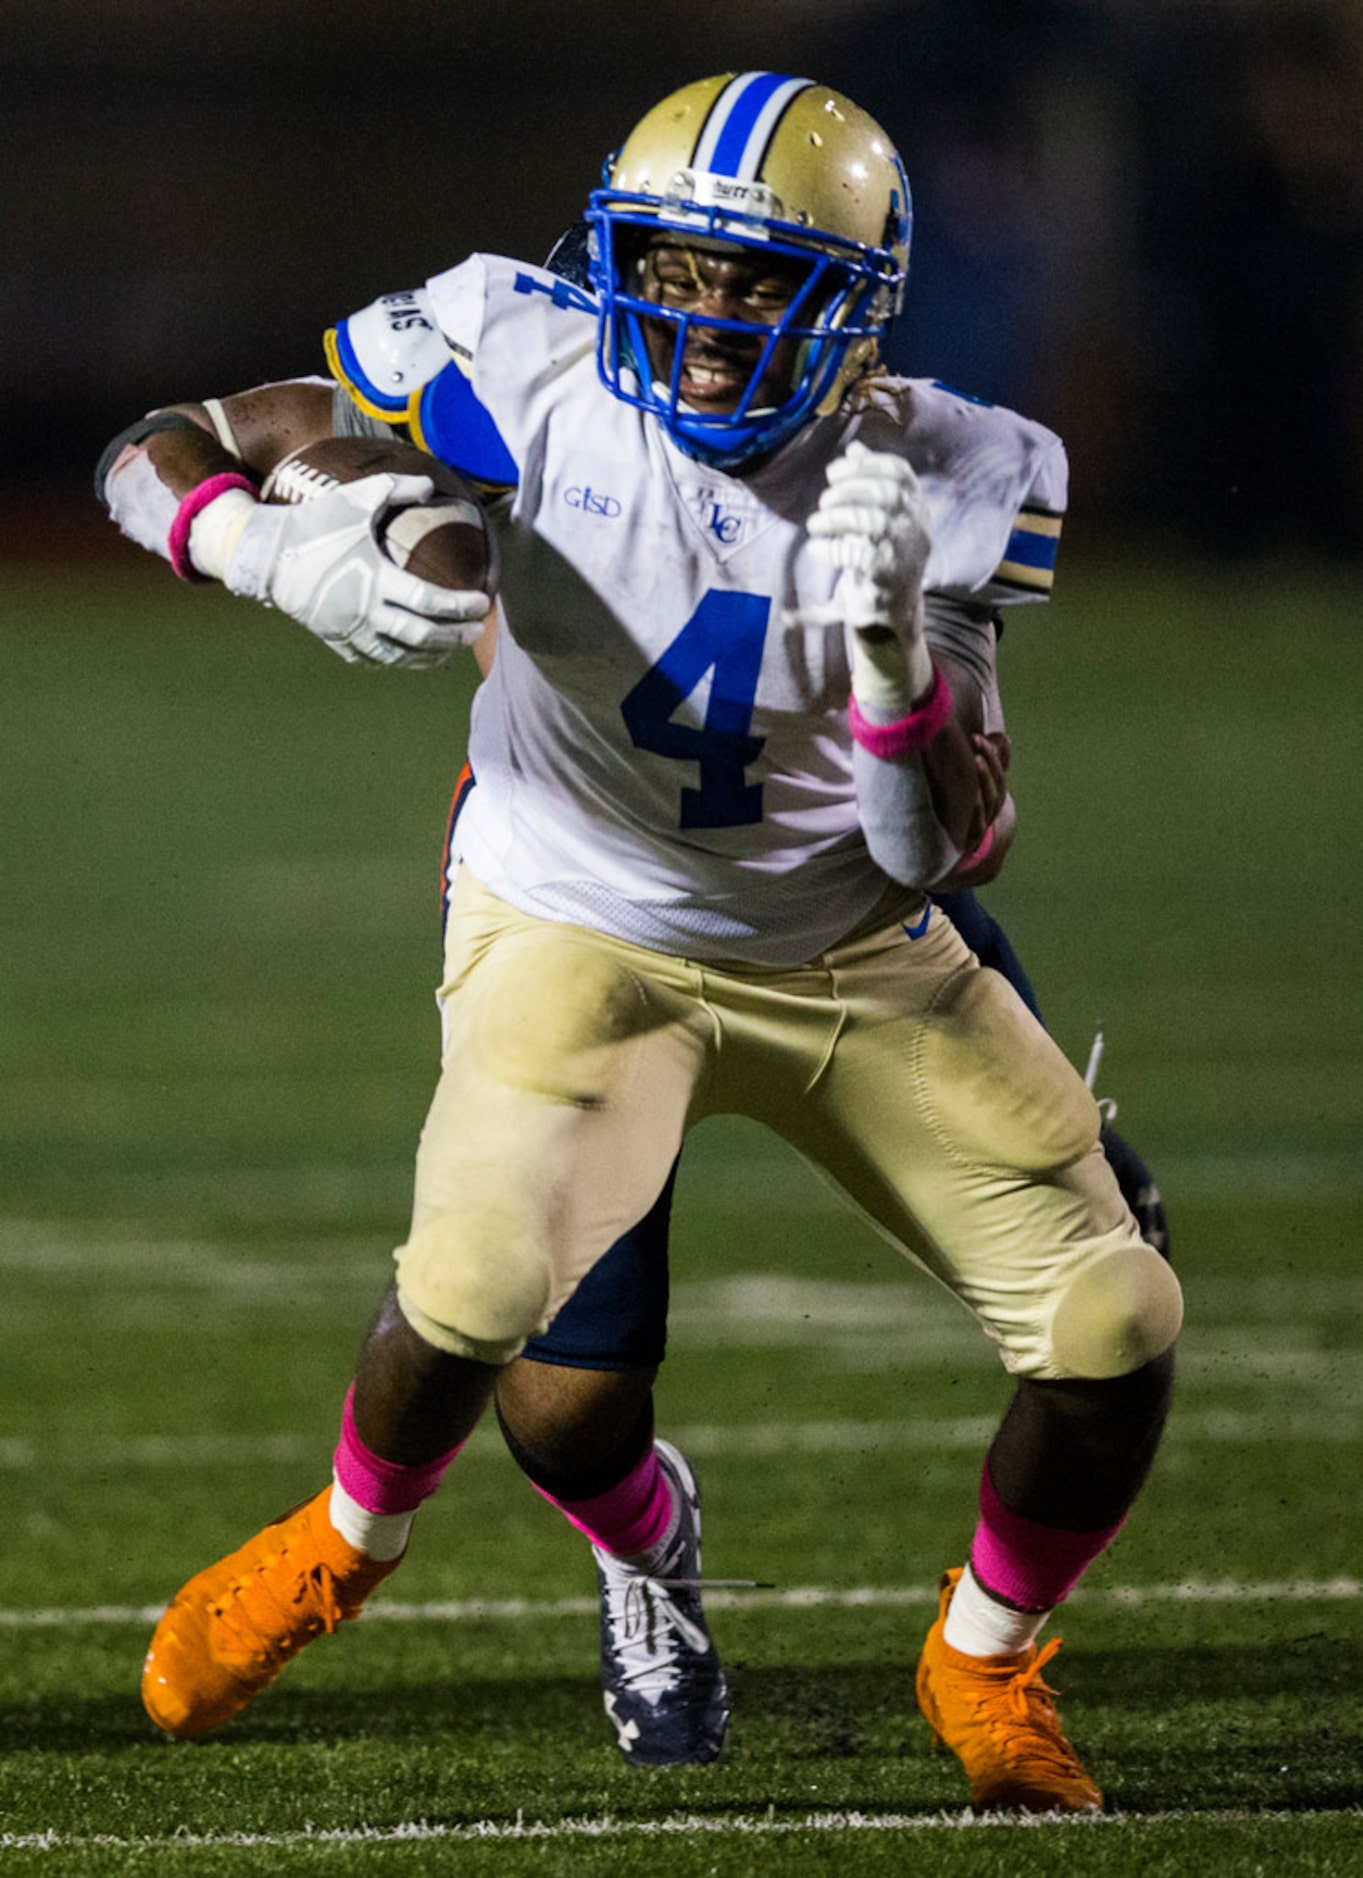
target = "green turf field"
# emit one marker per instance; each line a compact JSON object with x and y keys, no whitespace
{"x":218,"y":940}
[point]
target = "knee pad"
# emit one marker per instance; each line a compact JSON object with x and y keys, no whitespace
{"x":461,"y":1296}
{"x":1121,"y":1311}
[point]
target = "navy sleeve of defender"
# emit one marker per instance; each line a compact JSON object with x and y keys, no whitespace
{"x":989,"y":942}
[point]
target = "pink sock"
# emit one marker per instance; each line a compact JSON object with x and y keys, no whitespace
{"x":631,"y":1516}
{"x":1034,"y":1567}
{"x":383,"y":1486}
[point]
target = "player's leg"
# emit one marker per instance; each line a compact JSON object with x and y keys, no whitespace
{"x":992,"y":946}
{"x":577,"y":1413}
{"x":234,"y":1626}
{"x":1012,"y":1204}
{"x":576,"y":1407}
{"x":1059,"y":1480}
{"x":576,"y":1410}
{"x":559,"y":1111}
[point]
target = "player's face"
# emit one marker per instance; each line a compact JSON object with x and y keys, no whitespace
{"x":714,"y":282}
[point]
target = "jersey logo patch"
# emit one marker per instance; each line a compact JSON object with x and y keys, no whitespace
{"x":725,"y":522}
{"x":589,"y":501}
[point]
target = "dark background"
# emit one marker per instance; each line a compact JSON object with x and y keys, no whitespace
{"x":1139,"y":220}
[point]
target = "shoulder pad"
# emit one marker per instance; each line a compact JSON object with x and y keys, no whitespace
{"x":385,"y":354}
{"x":447,"y":419}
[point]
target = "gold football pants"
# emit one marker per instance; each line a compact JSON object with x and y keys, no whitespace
{"x":914,"y":1078}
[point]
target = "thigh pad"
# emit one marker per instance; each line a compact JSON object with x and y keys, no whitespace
{"x":995,"y":1087}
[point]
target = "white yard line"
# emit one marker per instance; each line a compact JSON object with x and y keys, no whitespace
{"x":679,"y":1825}
{"x":767,"y":1598}
{"x":706,"y":1440}
{"x":740,"y":1171}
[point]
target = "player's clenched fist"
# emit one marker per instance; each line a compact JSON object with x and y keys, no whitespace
{"x":322,"y":563}
{"x":872,"y":524}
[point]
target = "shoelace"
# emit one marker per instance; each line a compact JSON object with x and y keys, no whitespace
{"x":1021,"y":1698}
{"x":656,"y":1642}
{"x":648,"y":1607}
{"x":1029,"y":1682}
{"x":315,"y":1600}
{"x":711,"y":1584}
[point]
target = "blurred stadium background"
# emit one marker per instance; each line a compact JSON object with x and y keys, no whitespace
{"x":1139,"y":220}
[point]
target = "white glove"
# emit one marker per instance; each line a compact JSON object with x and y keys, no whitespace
{"x":872,"y":523}
{"x":320,"y":562}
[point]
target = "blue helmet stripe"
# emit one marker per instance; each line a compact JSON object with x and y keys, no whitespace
{"x":736,"y":136}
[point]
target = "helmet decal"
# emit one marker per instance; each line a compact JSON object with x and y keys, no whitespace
{"x":739,"y":129}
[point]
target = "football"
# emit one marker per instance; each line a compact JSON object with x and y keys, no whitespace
{"x":443,"y":541}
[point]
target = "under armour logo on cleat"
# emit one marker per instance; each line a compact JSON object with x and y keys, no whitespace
{"x":627,"y":1732}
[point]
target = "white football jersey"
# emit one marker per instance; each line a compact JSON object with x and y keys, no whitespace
{"x":662,"y":748}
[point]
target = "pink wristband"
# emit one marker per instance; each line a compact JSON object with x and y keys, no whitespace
{"x":971,"y":861}
{"x":177,"y":542}
{"x":889,"y":741}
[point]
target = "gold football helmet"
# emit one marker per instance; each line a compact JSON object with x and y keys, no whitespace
{"x":788,"y":171}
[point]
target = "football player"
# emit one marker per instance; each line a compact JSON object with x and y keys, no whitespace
{"x":730,"y":739}
{"x":576,"y":1410}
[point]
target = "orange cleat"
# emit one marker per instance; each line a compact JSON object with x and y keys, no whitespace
{"x":234,"y":1626}
{"x":999,"y":1718}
